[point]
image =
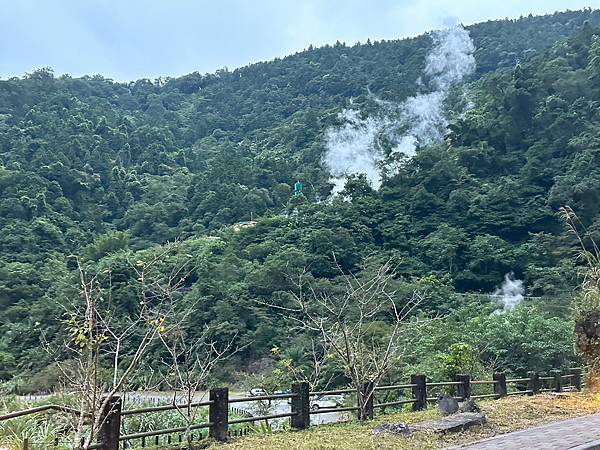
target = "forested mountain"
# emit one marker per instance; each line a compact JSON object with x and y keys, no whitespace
{"x":102,"y":169}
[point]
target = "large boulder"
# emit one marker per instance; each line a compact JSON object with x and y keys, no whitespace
{"x":452,"y":423}
{"x":455,"y":422}
{"x":447,"y":404}
{"x":468,"y":405}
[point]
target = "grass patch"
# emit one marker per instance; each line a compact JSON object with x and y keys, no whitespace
{"x":505,"y":415}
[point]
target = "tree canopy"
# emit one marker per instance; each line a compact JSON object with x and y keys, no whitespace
{"x":111,"y":170}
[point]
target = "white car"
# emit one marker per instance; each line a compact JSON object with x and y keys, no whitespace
{"x":327,"y":401}
{"x":257,"y":392}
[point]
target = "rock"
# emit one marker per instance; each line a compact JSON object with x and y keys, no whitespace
{"x":447,"y":405}
{"x":587,"y":334}
{"x":455,"y":422}
{"x":468,"y":405}
{"x":391,"y":428}
{"x":451,"y":423}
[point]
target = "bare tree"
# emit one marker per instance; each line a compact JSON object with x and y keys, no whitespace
{"x":107,"y":345}
{"x":361,"y":324}
{"x":188,"y":365}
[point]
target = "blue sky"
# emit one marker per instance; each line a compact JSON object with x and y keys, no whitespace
{"x":131,"y":39}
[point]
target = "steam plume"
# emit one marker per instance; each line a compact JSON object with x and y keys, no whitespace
{"x":510,"y":294}
{"x":355,"y":147}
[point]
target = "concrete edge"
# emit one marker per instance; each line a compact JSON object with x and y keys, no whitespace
{"x":593,"y":445}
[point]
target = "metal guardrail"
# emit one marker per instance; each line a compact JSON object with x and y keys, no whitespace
{"x":331,"y":410}
{"x":261,"y":397}
{"x":259,"y":418}
{"x":151,"y":409}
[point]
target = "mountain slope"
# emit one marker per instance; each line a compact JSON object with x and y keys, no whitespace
{"x":101,"y":140}
{"x":103,"y":169}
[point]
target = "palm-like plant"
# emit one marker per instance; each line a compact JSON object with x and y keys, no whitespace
{"x":586,"y":304}
{"x":37,"y":429}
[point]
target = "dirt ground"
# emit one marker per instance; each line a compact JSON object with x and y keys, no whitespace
{"x":504,"y":415}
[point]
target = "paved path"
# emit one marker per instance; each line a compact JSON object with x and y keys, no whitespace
{"x":581,"y":433}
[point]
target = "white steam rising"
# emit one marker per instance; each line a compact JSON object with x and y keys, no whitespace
{"x":356,"y":147}
{"x":451,"y":58}
{"x":510,"y":294}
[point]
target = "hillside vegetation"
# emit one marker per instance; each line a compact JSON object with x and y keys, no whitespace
{"x":112,"y":171}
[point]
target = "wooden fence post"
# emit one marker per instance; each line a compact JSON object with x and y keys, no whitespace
{"x":218,"y":414}
{"x":419,"y":391}
{"x":110,"y":425}
{"x":367,"y":395}
{"x":543,"y":384}
{"x":557,"y":382}
{"x":300,"y":406}
{"x":500,"y":384}
{"x":533,"y":384}
{"x":576,"y":378}
{"x":464,"y":388}
{"x":25,"y":443}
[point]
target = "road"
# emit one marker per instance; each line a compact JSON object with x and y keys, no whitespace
{"x":253,"y":407}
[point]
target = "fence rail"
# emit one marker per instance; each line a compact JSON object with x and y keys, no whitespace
{"x":151,"y":409}
{"x":393,"y":387}
{"x":219,"y":404}
{"x":336,"y":392}
{"x":39,"y":409}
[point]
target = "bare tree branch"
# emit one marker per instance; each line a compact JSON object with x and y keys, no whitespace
{"x":362,"y":326}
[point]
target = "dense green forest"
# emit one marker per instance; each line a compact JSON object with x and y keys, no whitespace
{"x":111,"y":171}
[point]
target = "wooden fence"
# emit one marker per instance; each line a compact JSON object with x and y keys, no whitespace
{"x":219,"y":404}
